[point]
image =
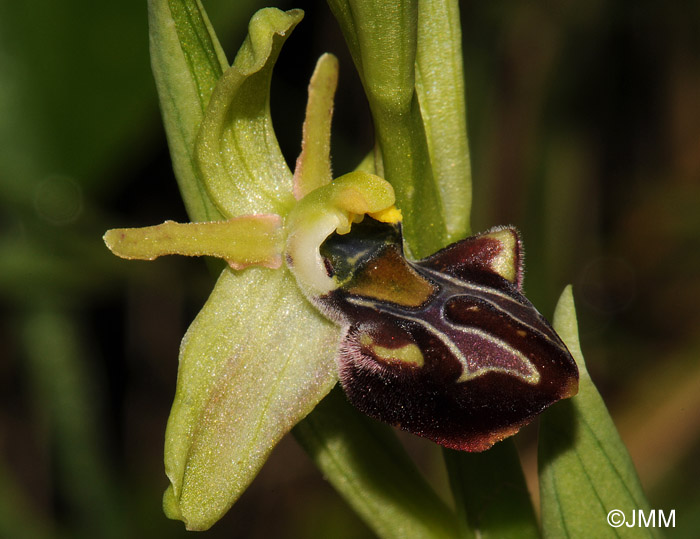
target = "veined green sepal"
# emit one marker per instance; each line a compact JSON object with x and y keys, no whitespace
{"x":236,"y":150}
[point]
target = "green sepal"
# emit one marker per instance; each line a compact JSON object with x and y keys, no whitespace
{"x":236,"y":149}
{"x":256,"y":360}
{"x":258,"y":357}
{"x":585,"y":469}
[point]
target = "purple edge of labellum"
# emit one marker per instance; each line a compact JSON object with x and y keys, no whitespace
{"x":427,"y":400}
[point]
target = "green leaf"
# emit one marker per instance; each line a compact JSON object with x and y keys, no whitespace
{"x":256,"y":360}
{"x":585,"y":470}
{"x":59,"y":368}
{"x":440,"y":87}
{"x":490,"y":493}
{"x":367,"y":465}
{"x":187,"y":61}
{"x":236,"y":150}
{"x":382,"y":37}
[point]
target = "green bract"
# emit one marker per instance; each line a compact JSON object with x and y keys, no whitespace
{"x":185,"y":77}
{"x":398,"y":49}
{"x":585,"y":470}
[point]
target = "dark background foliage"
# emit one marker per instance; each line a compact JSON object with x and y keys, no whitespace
{"x":584,"y":121}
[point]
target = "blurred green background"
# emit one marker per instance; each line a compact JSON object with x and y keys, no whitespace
{"x":584,"y":120}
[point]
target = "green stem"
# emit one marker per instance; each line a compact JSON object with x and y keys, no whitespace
{"x":490,"y":493}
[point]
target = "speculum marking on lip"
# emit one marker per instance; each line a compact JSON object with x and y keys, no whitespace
{"x":388,"y":278}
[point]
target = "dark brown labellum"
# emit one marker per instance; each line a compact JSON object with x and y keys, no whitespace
{"x":448,"y":347}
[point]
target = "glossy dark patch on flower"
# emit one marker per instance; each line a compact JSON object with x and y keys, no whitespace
{"x":447,"y":347}
{"x":387,"y":278}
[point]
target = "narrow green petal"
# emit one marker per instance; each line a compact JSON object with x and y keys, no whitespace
{"x":585,"y":470}
{"x":236,"y":149}
{"x":313,"y":167}
{"x":187,"y":60}
{"x":367,"y":465}
{"x":440,"y":87}
{"x":255,"y":361}
{"x":250,"y":240}
{"x":490,"y":493}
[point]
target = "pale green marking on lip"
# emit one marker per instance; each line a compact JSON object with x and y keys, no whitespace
{"x":409,"y":353}
{"x":505,"y":262}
